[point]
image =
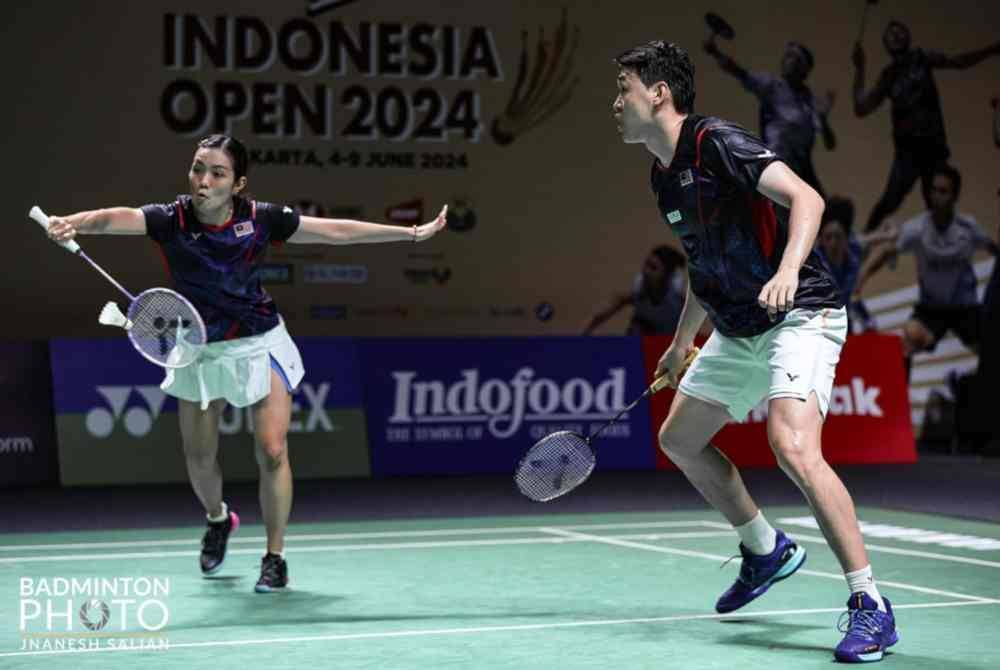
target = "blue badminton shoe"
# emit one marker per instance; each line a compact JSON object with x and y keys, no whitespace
{"x":870,"y":631}
{"x":758,"y":573}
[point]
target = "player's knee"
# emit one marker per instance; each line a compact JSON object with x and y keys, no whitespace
{"x":796,"y":455}
{"x":672,"y":445}
{"x":272,"y":452}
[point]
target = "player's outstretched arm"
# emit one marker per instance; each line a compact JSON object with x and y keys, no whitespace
{"x":617,"y":303}
{"x":111,"y":221}
{"x":965,"y":60}
{"x":866,"y":102}
{"x":314,"y":230}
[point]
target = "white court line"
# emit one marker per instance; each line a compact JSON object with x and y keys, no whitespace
{"x":485,"y":629}
{"x":887,"y":550}
{"x":714,"y":557}
{"x":359,"y":547}
{"x":366,"y":535}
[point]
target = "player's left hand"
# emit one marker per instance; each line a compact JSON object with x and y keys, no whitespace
{"x":778,"y":295}
{"x":431,"y":228}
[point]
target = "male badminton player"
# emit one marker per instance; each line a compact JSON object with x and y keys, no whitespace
{"x":213,"y":241}
{"x":779,"y":327}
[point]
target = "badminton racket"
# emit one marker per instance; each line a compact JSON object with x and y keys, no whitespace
{"x":163,"y":326}
{"x":561,"y":461}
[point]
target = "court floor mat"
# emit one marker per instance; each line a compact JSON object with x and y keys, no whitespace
{"x":552,"y":591}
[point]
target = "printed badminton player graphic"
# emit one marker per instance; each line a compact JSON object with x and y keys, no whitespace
{"x":561,"y":461}
{"x":161,"y":324}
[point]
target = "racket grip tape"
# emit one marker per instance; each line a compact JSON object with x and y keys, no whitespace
{"x":663,"y":382}
{"x":41,"y":218}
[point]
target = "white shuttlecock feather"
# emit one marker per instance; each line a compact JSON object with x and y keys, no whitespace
{"x":111,"y":315}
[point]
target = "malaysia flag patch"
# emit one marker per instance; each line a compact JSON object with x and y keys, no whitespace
{"x":243,"y":229}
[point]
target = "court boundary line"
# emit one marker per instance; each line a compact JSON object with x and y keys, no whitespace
{"x":697,"y":554}
{"x":500,"y":530}
{"x":484,"y":629}
{"x":355,"y":547}
{"x":480,"y":530}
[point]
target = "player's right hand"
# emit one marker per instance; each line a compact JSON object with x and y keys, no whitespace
{"x":60,"y":229}
{"x":672,"y":362}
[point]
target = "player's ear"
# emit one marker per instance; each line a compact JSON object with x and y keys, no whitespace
{"x":661,"y":93}
{"x":240,"y":184}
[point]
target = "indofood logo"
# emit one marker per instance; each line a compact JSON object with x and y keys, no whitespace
{"x":503,"y":406}
{"x":309,"y":414}
{"x":448,"y":65}
{"x":73,"y":613}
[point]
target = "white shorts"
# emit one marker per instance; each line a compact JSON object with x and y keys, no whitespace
{"x":237,"y":370}
{"x":795,"y":358}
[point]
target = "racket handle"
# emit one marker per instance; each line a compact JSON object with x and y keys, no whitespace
{"x":661,"y":383}
{"x":37,"y":215}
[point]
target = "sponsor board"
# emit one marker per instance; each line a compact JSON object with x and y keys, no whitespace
{"x":476,"y":405}
{"x":115,"y":424}
{"x":27,"y":438}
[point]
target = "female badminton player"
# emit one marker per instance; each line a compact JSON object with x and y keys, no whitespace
{"x":213,"y":241}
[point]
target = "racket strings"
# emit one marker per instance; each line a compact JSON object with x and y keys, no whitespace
{"x":556,"y":464}
{"x":166,"y":327}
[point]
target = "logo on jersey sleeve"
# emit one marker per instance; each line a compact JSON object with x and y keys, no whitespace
{"x":674,"y":216}
{"x":243,"y":229}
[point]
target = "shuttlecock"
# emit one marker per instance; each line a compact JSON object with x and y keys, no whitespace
{"x":111,"y":315}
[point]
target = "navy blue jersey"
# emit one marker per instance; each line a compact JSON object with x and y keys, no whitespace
{"x":734,"y":236}
{"x":217,"y":268}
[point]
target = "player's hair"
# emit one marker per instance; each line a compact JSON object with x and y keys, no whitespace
{"x":804,"y":51}
{"x":234,"y":149}
{"x":663,"y":61}
{"x":953,"y":175}
{"x":841,"y":209}
{"x":900,"y":24}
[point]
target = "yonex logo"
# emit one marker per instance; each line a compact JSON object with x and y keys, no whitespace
{"x":687,"y":178}
{"x":138,"y":420}
{"x":853,"y":399}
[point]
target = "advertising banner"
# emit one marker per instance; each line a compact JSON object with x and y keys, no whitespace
{"x":386,"y":110}
{"x":115,"y":425}
{"x":868,"y":420}
{"x":27,"y":436}
{"x":476,"y":405}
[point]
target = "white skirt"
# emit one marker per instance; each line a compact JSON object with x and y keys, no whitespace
{"x":237,"y":370}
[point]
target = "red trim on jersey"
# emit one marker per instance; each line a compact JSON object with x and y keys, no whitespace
{"x":180,"y":215}
{"x":697,"y":165}
{"x":166,"y":265}
{"x":765,"y":224}
{"x":697,"y":147}
{"x":233,"y":329}
{"x":256,"y":230}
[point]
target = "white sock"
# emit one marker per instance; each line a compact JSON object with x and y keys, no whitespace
{"x":757,"y":535}
{"x":222,"y":515}
{"x":863,"y":581}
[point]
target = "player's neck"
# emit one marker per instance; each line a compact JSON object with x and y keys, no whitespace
{"x":216,"y":217}
{"x":942,"y":218}
{"x":666,"y":134}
